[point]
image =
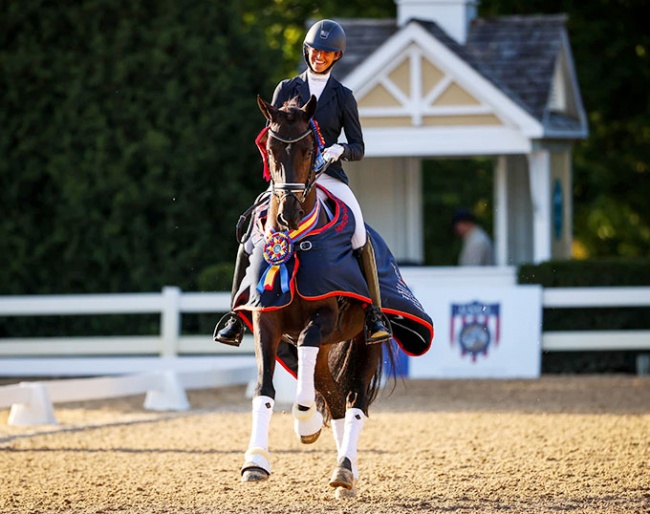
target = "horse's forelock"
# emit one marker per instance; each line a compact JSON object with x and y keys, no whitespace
{"x":291,"y":109}
{"x":292,"y":102}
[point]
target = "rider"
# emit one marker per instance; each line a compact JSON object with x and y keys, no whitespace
{"x":324,"y":44}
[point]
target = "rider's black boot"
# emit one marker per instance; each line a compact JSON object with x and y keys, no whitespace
{"x":377,"y":326}
{"x":230,"y":329}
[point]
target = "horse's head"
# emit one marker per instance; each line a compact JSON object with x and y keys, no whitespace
{"x":291,"y":148}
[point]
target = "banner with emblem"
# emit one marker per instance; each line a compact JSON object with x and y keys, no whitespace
{"x":481,"y":332}
{"x":474,"y":327}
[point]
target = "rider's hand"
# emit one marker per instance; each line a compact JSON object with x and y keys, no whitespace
{"x":333,"y":153}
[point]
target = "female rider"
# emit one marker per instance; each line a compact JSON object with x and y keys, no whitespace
{"x":336,"y":111}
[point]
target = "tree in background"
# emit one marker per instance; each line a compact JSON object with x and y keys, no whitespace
{"x":126,"y":142}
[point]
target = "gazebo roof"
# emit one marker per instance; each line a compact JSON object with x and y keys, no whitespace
{"x":526,"y":57}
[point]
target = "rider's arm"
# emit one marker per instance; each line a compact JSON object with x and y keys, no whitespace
{"x":354,"y":148}
{"x":280,"y":95}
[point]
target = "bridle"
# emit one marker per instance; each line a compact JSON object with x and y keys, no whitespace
{"x":282,"y":189}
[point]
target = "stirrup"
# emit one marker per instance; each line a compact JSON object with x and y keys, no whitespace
{"x":377,"y":326}
{"x":232,"y":331}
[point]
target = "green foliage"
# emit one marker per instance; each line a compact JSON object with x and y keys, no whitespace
{"x":217,"y":277}
{"x":285,"y":21}
{"x":591,"y":273}
{"x":127,"y":133}
{"x":588,"y":273}
{"x":127,"y":141}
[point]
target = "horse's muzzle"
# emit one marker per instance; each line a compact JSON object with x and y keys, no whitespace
{"x":293,"y":222}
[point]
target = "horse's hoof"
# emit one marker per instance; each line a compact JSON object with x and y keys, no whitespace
{"x":257,"y":466}
{"x":309,"y":439}
{"x":307,"y":423}
{"x":341,"y":493}
{"x":343,"y":476}
{"x":254,"y":474}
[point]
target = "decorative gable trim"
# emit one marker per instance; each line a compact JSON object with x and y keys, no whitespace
{"x":413,"y":80}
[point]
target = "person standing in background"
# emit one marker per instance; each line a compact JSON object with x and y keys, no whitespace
{"x":477,"y":247}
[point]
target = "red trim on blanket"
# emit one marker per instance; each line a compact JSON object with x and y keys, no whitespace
{"x":279,"y":359}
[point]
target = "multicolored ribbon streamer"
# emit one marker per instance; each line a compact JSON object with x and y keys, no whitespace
{"x":280,"y":248}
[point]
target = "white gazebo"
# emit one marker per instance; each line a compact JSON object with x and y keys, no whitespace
{"x":438,"y":82}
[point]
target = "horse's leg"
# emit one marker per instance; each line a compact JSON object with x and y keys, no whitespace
{"x":362,"y":369}
{"x":257,"y":460}
{"x":308,"y":421}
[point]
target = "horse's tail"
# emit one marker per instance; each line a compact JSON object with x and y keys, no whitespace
{"x":349,"y":358}
{"x":388,"y":357}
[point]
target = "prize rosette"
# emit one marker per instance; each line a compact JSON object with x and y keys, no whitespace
{"x":278,"y":249}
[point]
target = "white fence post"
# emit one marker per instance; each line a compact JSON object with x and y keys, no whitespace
{"x":170,"y":326}
{"x":168,"y":394}
{"x":37,"y":410}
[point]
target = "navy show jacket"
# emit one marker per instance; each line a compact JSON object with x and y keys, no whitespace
{"x":336,"y":111}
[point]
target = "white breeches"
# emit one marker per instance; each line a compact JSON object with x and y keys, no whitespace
{"x":343,"y":192}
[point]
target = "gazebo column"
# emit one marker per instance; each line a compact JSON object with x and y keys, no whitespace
{"x":501,"y":211}
{"x":539,"y":169}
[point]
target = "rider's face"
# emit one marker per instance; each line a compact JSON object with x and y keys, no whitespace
{"x":320,"y":60}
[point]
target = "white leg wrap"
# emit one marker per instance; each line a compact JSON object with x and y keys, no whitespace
{"x":338,"y":429}
{"x":354,"y":419}
{"x":258,"y":457}
{"x":307,"y":422}
{"x":262,"y":412}
{"x":305,"y":392}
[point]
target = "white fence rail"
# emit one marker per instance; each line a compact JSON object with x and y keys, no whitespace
{"x":592,"y":297}
{"x":32,"y":402}
{"x":176,"y":358}
{"x":170,"y":304}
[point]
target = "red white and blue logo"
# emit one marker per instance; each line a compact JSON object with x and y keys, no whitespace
{"x":474,"y":327}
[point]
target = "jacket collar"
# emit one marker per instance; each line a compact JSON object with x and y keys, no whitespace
{"x":325,"y":97}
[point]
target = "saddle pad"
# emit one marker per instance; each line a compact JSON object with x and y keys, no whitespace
{"x":324,"y":265}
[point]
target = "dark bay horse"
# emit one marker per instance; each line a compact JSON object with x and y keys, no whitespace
{"x":338,"y":373}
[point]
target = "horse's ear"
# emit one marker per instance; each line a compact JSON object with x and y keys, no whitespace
{"x":267,"y":109}
{"x":310,"y":107}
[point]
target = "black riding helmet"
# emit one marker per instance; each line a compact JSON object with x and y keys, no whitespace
{"x":326,"y":35}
